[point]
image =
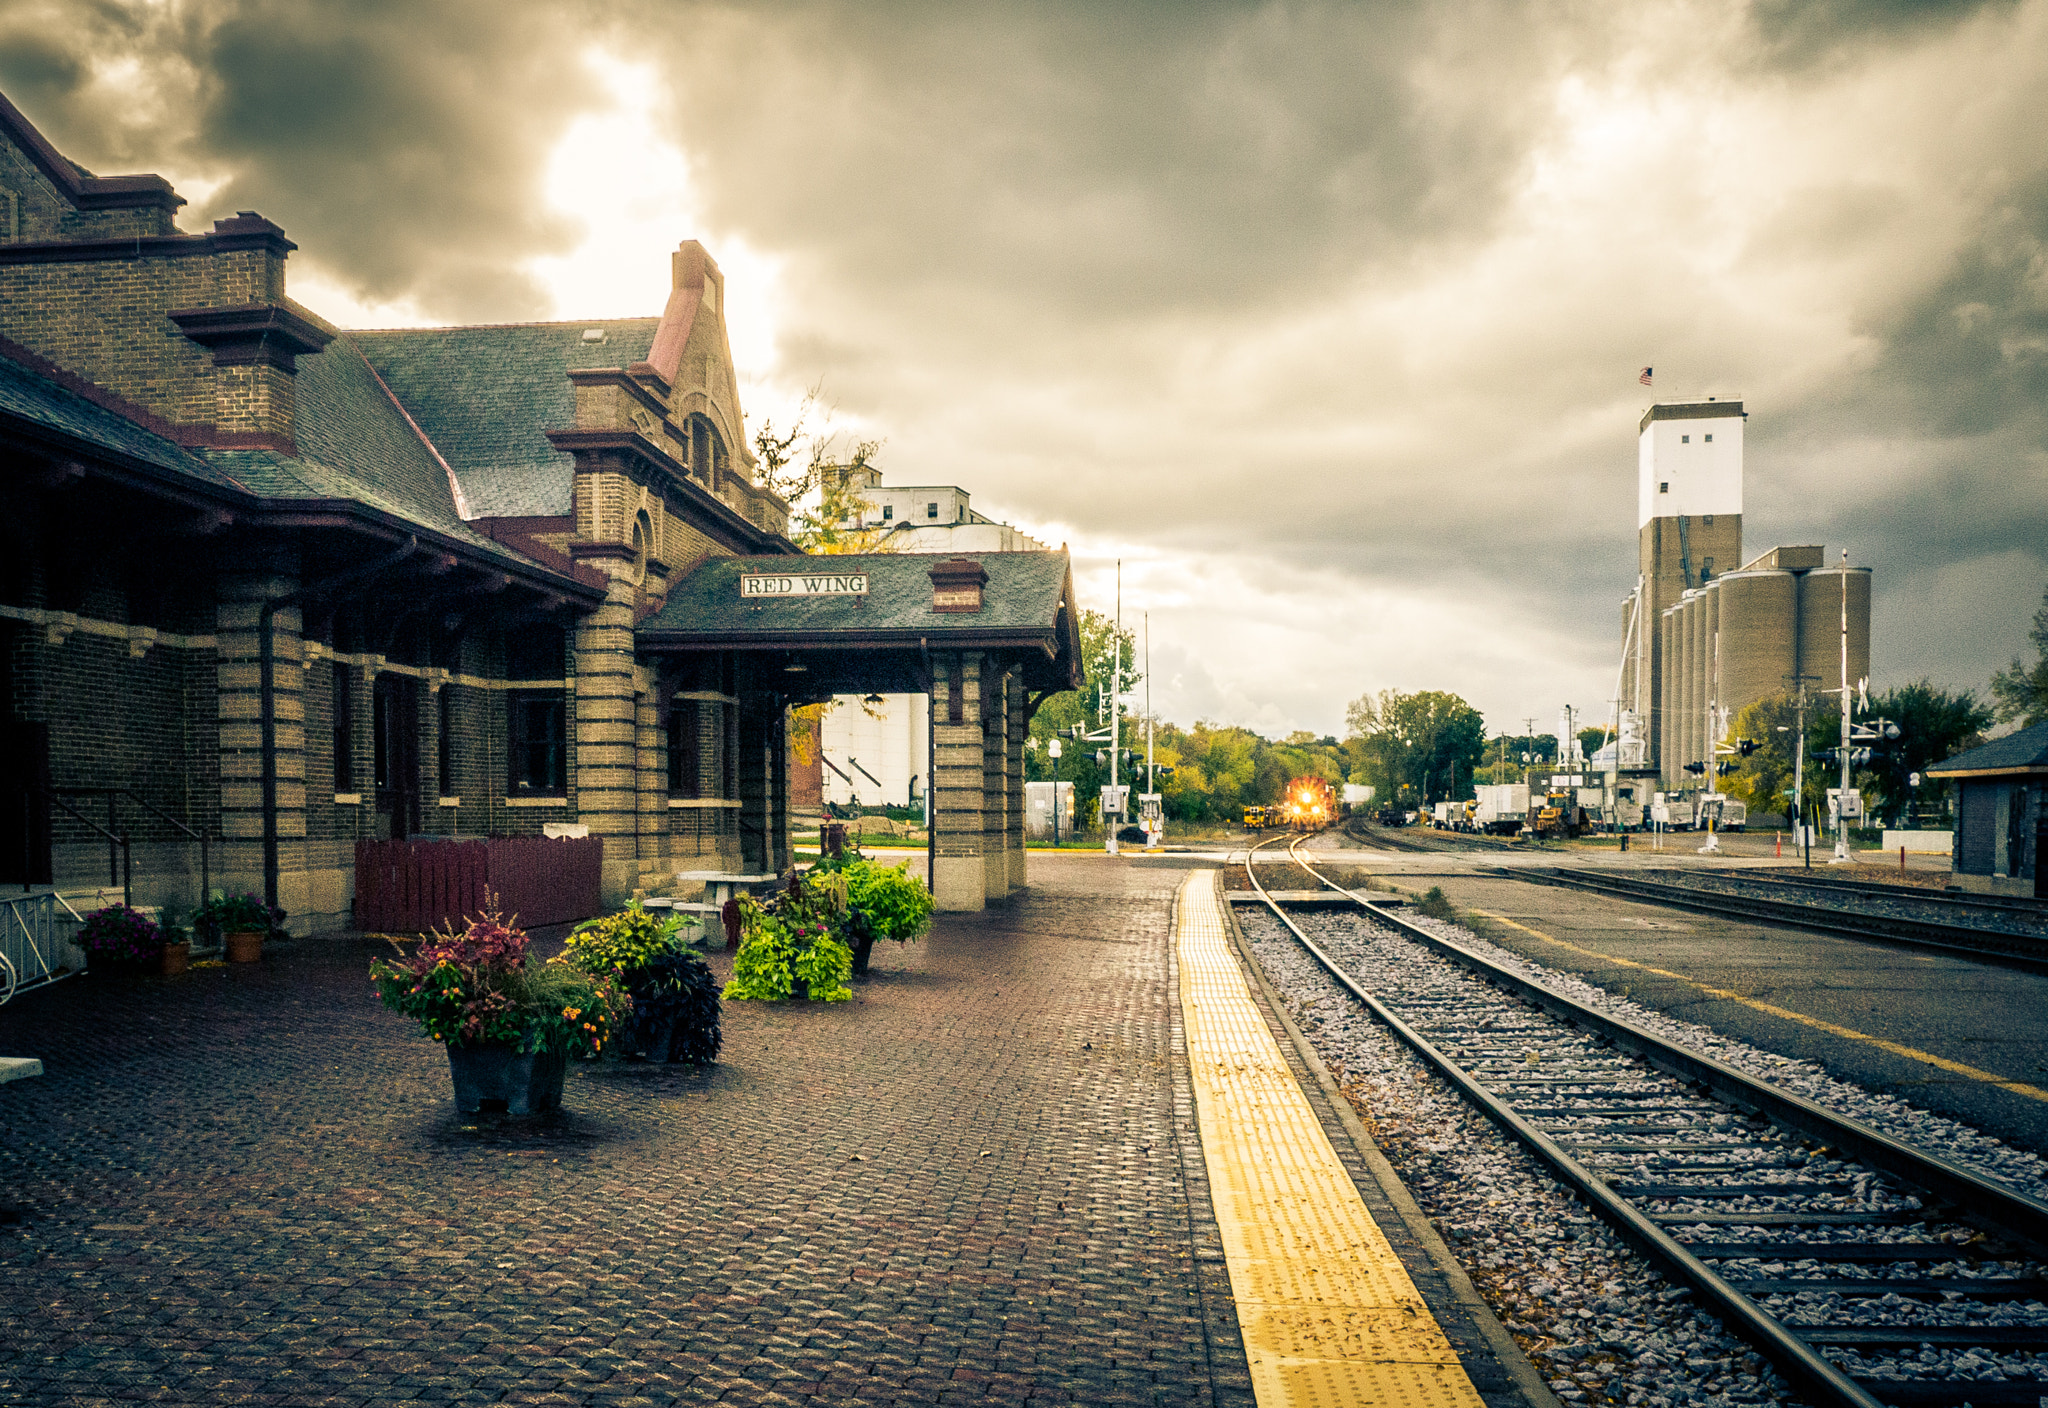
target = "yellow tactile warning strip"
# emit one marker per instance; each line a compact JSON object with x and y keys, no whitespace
{"x":1329,"y":1315}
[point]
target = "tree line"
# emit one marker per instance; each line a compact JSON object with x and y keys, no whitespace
{"x":1416,"y":748}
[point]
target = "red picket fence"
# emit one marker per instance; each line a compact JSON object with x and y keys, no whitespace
{"x":413,"y":886}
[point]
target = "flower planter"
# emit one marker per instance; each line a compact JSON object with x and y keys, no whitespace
{"x":519,"y":1083}
{"x":174,"y":959}
{"x":244,"y":946}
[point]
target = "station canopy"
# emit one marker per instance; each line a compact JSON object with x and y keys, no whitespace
{"x":815,"y":626}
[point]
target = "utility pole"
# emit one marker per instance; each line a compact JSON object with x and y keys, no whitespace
{"x":1842,"y":797}
{"x":1116,"y":699}
{"x":1798,"y":807}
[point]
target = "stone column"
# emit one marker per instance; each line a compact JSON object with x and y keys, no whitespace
{"x":606,"y":785}
{"x":239,"y":865}
{"x":781,"y":857}
{"x":995,"y":804}
{"x":756,"y":779}
{"x":959,"y":784}
{"x":1020,"y":727}
{"x":652,"y":752}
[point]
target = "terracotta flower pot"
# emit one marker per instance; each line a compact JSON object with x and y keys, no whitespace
{"x":174,"y":959}
{"x":244,"y":946}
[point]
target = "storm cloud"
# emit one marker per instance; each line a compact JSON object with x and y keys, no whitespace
{"x":1324,"y":318}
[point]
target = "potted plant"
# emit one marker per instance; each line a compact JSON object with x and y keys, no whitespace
{"x":789,"y":947}
{"x":177,"y":950}
{"x":509,"y":1021}
{"x":240,"y":922}
{"x":675,"y":997}
{"x":882,"y":902}
{"x":118,"y":939}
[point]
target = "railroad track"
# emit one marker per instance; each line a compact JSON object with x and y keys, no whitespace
{"x":1818,"y":1239}
{"x":1978,"y":941}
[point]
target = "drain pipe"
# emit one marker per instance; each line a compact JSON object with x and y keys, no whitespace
{"x":266,"y":650}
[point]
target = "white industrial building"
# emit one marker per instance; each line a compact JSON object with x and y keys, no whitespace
{"x":873,"y":750}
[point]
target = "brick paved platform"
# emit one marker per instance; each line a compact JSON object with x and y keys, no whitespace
{"x":977,"y":1181}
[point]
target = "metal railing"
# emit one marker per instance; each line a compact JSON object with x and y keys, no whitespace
{"x":120,"y":859}
{"x":29,"y":945}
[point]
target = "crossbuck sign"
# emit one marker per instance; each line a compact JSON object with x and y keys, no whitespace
{"x":760,"y":584}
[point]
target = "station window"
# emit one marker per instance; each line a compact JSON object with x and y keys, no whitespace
{"x":536,"y":742}
{"x":931,"y":510}
{"x":445,"y":739}
{"x":1664,"y":487}
{"x":1708,"y":438}
{"x":1685,"y":439}
{"x":888,"y":512}
{"x":344,"y":729}
{"x":685,"y":765}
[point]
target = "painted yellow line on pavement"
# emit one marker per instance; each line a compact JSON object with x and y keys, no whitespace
{"x":1911,"y":1053}
{"x":1328,"y":1313}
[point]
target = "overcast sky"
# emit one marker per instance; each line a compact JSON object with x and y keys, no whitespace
{"x":1326,"y":319}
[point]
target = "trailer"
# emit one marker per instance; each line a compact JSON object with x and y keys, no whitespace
{"x":1501,"y":809}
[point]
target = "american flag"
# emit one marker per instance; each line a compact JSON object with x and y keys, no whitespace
{"x":1644,"y":377}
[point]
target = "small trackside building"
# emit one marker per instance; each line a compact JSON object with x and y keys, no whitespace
{"x":2001,"y":815}
{"x":988,"y":639}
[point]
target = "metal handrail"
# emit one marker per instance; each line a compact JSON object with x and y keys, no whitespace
{"x":126,"y":876}
{"x":110,"y":793}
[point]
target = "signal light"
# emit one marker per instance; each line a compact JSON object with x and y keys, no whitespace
{"x":1102,"y":757}
{"x":1696,"y":769}
{"x":1746,"y":746}
{"x":1723,"y":769}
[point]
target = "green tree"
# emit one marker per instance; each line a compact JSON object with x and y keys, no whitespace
{"x":1934,"y":723}
{"x":2021,"y":692}
{"x":1086,"y":708}
{"x":1431,"y":742}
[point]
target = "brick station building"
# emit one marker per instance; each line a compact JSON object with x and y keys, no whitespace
{"x":294,"y":587}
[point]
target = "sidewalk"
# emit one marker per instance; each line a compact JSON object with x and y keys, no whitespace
{"x":975,"y":1181}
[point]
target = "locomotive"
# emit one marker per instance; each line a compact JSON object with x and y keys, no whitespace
{"x":1309,"y":804}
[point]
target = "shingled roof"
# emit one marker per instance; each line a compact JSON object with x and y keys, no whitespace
{"x":486,"y":396}
{"x":40,"y":402}
{"x":1027,"y":607}
{"x":2024,"y":751}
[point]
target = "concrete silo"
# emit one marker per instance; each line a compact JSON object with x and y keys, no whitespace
{"x":1759,"y":636}
{"x":1823,"y":593}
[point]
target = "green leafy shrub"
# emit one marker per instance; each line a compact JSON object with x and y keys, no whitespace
{"x":896,"y":903}
{"x":675,"y":997}
{"x":237,"y":914}
{"x":790,"y":941}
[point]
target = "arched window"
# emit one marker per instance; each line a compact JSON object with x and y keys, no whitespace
{"x":643,"y":545}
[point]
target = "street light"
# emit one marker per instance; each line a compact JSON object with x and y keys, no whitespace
{"x":1053,"y":750}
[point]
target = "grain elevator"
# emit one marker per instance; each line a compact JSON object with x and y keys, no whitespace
{"x":1704,"y":637}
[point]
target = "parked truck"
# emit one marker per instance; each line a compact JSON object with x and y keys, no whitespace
{"x":1501,"y":808}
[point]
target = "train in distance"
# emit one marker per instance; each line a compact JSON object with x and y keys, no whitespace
{"x":1308,"y":804}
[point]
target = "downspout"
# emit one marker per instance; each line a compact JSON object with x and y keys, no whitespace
{"x":266,"y":642}
{"x":931,"y":773}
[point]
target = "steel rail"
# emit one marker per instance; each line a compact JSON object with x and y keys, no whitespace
{"x":1797,"y":1359}
{"x":1879,"y":889}
{"x":1991,"y":945}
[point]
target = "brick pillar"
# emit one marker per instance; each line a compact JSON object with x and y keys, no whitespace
{"x":995,"y":804}
{"x":606,"y":787}
{"x":239,"y":865}
{"x":959,"y":784}
{"x":1020,"y":727}
{"x":754,"y":738}
{"x":652,"y":752}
